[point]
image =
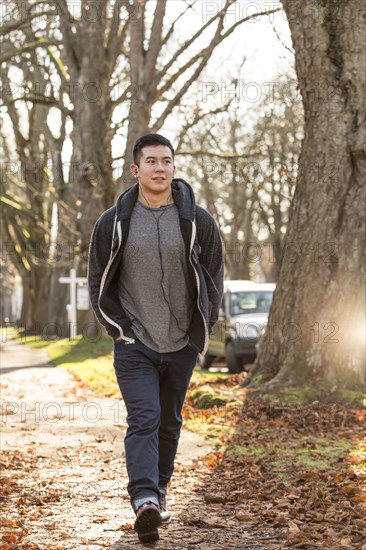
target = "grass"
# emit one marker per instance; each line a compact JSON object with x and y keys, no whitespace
{"x":215,"y":434}
{"x":202,"y":376}
{"x":304,"y":453}
{"x":204,"y":397}
{"x":320,"y":394}
{"x":353,"y":398}
{"x":251,"y":452}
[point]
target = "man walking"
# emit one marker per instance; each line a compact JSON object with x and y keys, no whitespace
{"x":155,"y":281}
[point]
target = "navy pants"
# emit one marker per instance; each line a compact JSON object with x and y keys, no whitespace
{"x":153,"y":386}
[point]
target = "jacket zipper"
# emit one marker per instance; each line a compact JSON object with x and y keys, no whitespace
{"x":193,"y":237}
{"x":104,"y":277}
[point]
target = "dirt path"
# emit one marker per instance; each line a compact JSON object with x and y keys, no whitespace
{"x":63,"y":474}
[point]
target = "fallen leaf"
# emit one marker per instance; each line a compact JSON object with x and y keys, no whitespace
{"x":10,"y":538}
{"x":241,"y":515}
{"x":293,"y":528}
{"x":125,"y":527}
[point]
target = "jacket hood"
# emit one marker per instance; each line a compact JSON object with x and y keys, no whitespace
{"x":183,"y":197}
{"x":182,"y":193}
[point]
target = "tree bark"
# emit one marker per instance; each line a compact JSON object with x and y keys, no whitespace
{"x":317,"y":320}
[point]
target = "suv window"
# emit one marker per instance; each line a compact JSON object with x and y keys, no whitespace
{"x":250,"y":302}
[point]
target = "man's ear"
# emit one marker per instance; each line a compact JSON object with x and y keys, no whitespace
{"x":134,"y":169}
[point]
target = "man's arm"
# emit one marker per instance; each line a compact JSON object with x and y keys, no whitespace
{"x":211,"y":260}
{"x":99,"y":253}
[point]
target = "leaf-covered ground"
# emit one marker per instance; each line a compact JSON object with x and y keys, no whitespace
{"x":278,"y":476}
{"x":298,"y":470}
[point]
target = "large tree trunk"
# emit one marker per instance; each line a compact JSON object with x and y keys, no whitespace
{"x":92,"y":155}
{"x":316,"y":325}
{"x":93,"y":170}
{"x":39,"y":296}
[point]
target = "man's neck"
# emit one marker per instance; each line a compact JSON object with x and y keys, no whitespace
{"x":155,"y":201}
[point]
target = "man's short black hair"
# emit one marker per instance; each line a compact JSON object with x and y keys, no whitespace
{"x":146,"y":141}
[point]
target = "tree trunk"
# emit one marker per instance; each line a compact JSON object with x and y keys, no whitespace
{"x":138,"y":125}
{"x":92,"y":159}
{"x":57,"y":301}
{"x":25,"y":318}
{"x":39,"y":296}
{"x":316,"y":325}
{"x":89,"y":173}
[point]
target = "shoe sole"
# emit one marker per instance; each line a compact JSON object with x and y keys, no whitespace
{"x":146,"y":525}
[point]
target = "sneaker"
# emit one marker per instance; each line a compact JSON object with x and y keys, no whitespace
{"x":147,"y":521}
{"x":165,"y":516}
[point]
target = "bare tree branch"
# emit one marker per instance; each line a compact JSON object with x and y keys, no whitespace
{"x":155,"y":39}
{"x":175,"y":101}
{"x":197,"y":118}
{"x":226,"y":156}
{"x":70,"y":41}
{"x":18,"y":24}
{"x":205,"y":55}
{"x":117,"y":35}
{"x":43,"y":100}
{"x":173,"y":25}
{"x":40,"y":42}
{"x":160,"y":74}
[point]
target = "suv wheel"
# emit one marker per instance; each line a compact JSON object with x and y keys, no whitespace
{"x":207,"y":361}
{"x":234,"y":363}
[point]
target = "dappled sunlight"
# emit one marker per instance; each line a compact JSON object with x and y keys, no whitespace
{"x":357,"y":462}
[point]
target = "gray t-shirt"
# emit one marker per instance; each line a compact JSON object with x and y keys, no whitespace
{"x":153,"y":284}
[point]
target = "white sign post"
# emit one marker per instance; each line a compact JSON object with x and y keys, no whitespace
{"x":73,"y":281}
{"x":82,"y":298}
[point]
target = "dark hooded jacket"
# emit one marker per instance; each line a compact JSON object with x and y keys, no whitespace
{"x":203,"y":254}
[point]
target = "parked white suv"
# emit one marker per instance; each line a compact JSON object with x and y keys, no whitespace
{"x":242,"y":320}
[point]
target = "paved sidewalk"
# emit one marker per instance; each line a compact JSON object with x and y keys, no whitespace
{"x":14,"y":356}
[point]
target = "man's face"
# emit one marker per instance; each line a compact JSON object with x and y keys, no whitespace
{"x":156,"y":169}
